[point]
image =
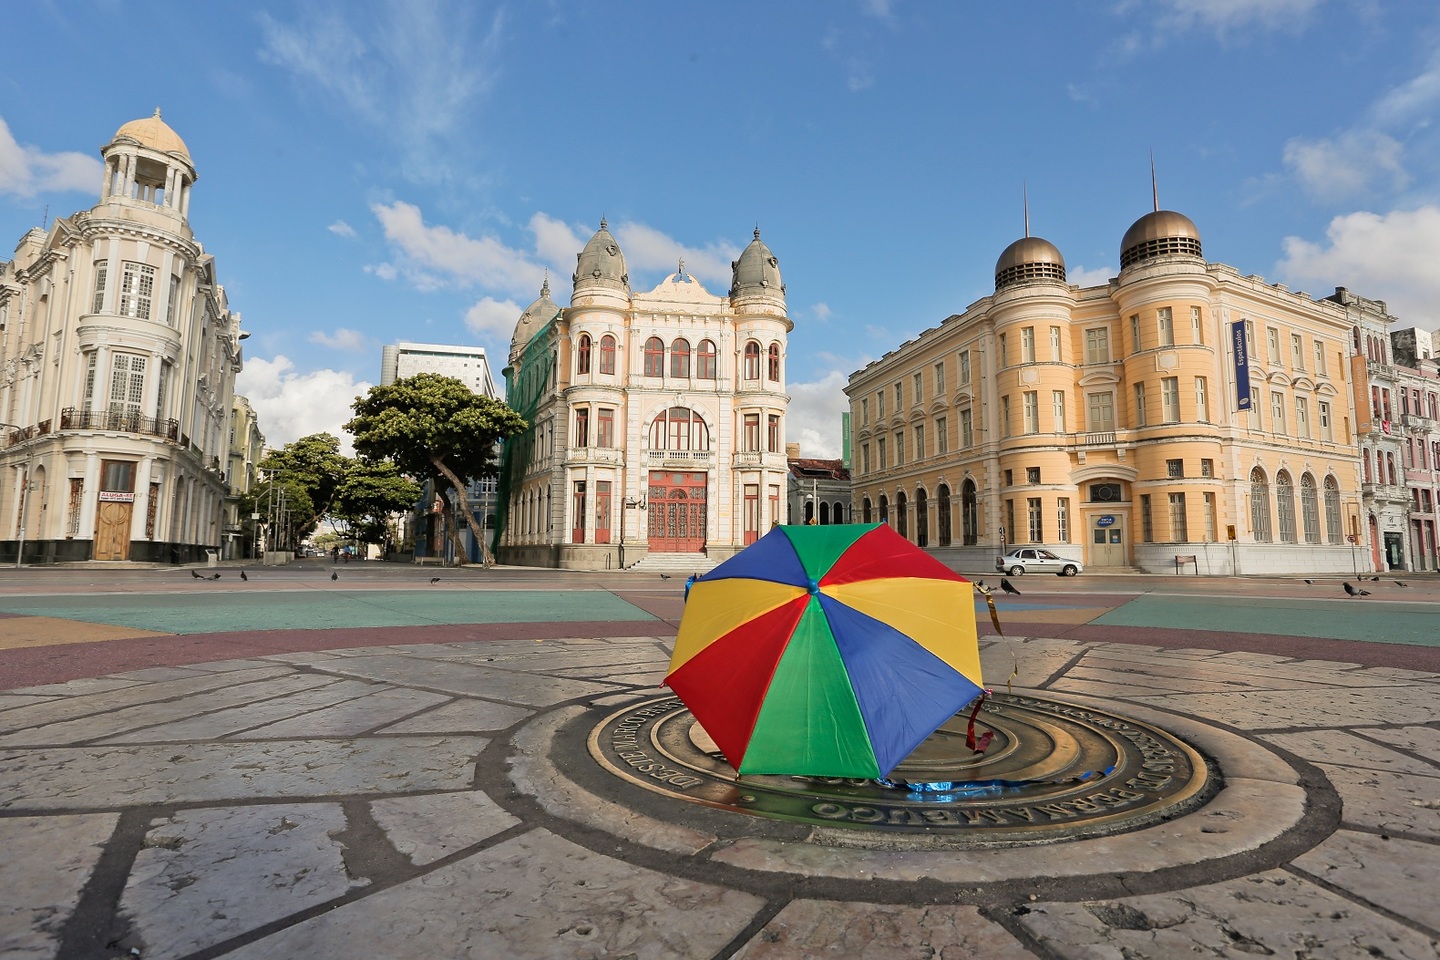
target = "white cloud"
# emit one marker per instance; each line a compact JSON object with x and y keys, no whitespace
{"x":1414,"y":99}
{"x":814,"y":417}
{"x":1222,"y":17}
{"x":493,"y":319}
{"x":351,"y":341}
{"x":649,"y":249}
{"x":291,"y":405}
{"x":1082,"y":277}
{"x":412,"y":71}
{"x":433,"y":257}
{"x":1388,"y":257}
{"x":341,"y":228}
{"x":26,"y":170}
{"x":821,"y":311}
{"x":1349,"y":165}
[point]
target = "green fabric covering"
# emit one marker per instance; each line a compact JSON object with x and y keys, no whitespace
{"x":811,"y":717}
{"x":819,"y":546}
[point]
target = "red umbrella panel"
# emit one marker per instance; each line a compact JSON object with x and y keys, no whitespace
{"x":826,"y":651}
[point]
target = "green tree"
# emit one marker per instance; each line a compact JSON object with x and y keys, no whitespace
{"x":313,"y":464}
{"x":430,"y":425}
{"x":368,"y":495}
{"x":285,"y":504}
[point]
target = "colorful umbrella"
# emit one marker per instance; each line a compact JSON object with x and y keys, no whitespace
{"x":828,"y":651}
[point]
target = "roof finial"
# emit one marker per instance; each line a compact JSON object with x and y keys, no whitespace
{"x":157,"y":113}
{"x":1154,"y":187}
{"x":602,"y":221}
{"x":1025,"y":188}
{"x":680,"y":270}
{"x":545,"y":287}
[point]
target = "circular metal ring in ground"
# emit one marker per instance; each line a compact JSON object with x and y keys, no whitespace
{"x":1052,"y":772}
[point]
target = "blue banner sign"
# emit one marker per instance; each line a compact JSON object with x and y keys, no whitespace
{"x":1242,"y":365}
{"x":1106,"y":521}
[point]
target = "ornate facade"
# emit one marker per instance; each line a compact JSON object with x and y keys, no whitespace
{"x":657,"y":419}
{"x":118,"y":355}
{"x":1181,"y":413}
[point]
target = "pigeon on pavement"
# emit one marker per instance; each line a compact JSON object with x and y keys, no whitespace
{"x":664,"y":576}
{"x":1008,"y":587}
{"x":1401,"y":583}
{"x":334,"y":576}
{"x":434,"y":579}
{"x":1354,"y":592}
{"x":196,"y":575}
{"x":1309,"y":581}
{"x":242,"y":575}
{"x":215,"y":576}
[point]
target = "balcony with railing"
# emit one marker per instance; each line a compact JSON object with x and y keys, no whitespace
{"x":678,"y":458}
{"x":21,"y":434}
{"x":114,"y":422}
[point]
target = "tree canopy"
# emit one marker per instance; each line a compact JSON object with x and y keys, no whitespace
{"x":370,"y":493}
{"x":431,"y":425}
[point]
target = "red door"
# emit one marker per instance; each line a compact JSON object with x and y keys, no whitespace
{"x":677,"y":512}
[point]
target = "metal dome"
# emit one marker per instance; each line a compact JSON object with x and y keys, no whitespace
{"x":1029,"y":259}
{"x":757,"y":271}
{"x":601,"y":262}
{"x":1159,"y":234}
{"x":539,"y":313}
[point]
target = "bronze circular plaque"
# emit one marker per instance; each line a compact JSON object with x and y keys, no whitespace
{"x":1052,"y":771}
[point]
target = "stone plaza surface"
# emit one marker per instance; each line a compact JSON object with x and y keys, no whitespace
{"x":429,"y":800}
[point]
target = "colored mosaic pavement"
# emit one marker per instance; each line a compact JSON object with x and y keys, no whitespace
{"x":401,"y":781}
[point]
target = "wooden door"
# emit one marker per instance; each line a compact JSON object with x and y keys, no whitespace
{"x":112,"y":531}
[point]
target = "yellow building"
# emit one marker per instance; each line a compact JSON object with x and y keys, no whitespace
{"x":1180,"y":410}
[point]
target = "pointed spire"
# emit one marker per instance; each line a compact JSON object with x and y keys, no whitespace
{"x":1154,"y":186}
{"x":602,"y":221}
{"x":757,"y":231}
{"x":157,"y":113}
{"x":1025,"y":188}
{"x":545,"y":287}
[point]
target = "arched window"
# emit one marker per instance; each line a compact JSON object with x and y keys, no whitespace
{"x":705,"y":360}
{"x":838,"y":516}
{"x":1285,"y":506}
{"x":969,"y":514}
{"x":922,"y":518}
{"x":654,"y":358}
{"x":679,"y":428}
{"x":607,"y":354}
{"x":1365,"y":460}
{"x":774,"y":365}
{"x":1260,"y":506}
{"x":884,"y":509}
{"x":902,"y":522}
{"x":1390,"y":466}
{"x":942,"y":515}
{"x":865,"y":510}
{"x":752,"y":360}
{"x":1333,"y":532}
{"x":1309,"y":509}
{"x":680,"y":358}
{"x":582,"y":354}
{"x":824,"y":513}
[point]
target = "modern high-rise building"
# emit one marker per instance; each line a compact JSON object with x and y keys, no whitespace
{"x":1180,"y":416}
{"x":657,"y":419}
{"x":118,"y":356}
{"x":469,"y":365}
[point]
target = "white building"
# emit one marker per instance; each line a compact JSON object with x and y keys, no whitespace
{"x":657,"y":419}
{"x":118,"y":355}
{"x":469,"y":365}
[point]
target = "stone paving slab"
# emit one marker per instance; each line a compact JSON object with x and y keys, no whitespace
{"x":404,"y":800}
{"x":536,"y":896}
{"x":36,"y":903}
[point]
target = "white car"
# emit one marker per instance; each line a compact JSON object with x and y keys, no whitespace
{"x":1024,"y":560}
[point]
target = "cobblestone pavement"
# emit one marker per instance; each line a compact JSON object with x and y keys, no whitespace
{"x":411,"y":789}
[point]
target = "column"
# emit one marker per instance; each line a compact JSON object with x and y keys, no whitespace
{"x":142,"y":498}
{"x":89,"y":499}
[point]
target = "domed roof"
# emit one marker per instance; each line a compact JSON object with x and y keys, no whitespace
{"x":601,"y":262}
{"x":154,"y":133}
{"x":1157,"y":234}
{"x":757,"y":271}
{"x":1027,"y":259}
{"x":539,"y":313}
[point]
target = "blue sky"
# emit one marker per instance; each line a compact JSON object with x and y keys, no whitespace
{"x":374,"y":171}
